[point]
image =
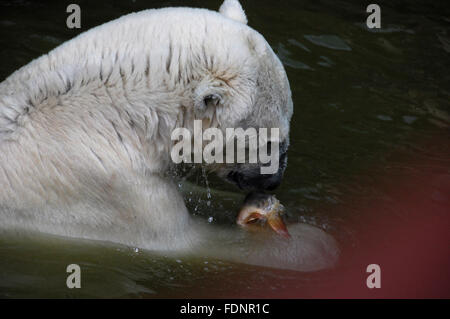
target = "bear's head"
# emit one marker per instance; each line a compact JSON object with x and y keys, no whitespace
{"x":241,"y":83}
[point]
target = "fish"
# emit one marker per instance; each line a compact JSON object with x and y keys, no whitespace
{"x":260,"y":209}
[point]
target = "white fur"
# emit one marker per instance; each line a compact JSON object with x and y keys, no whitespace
{"x":85,"y":131}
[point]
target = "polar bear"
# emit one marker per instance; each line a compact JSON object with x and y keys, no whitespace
{"x":85,"y":134}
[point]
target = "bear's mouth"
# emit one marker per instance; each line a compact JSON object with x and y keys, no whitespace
{"x":253,"y":180}
{"x":236,"y":178}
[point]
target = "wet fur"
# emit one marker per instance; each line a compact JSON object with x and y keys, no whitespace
{"x":85,"y":133}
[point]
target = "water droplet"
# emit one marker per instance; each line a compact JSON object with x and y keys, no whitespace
{"x":208,"y":190}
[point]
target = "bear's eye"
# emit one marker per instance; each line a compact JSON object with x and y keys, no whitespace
{"x":211,"y":100}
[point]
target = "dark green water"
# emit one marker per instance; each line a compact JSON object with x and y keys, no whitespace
{"x":368,"y":107}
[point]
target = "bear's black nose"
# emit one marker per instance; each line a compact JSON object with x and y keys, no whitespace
{"x":252,"y":179}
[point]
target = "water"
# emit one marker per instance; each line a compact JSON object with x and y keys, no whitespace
{"x":371,"y":113}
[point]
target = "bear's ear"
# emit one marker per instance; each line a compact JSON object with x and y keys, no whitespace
{"x":206,"y":98}
{"x":232,"y":9}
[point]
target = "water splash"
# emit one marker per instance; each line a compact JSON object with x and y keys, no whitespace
{"x":208,"y":189}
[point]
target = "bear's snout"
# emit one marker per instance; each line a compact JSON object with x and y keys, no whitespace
{"x":252,"y":179}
